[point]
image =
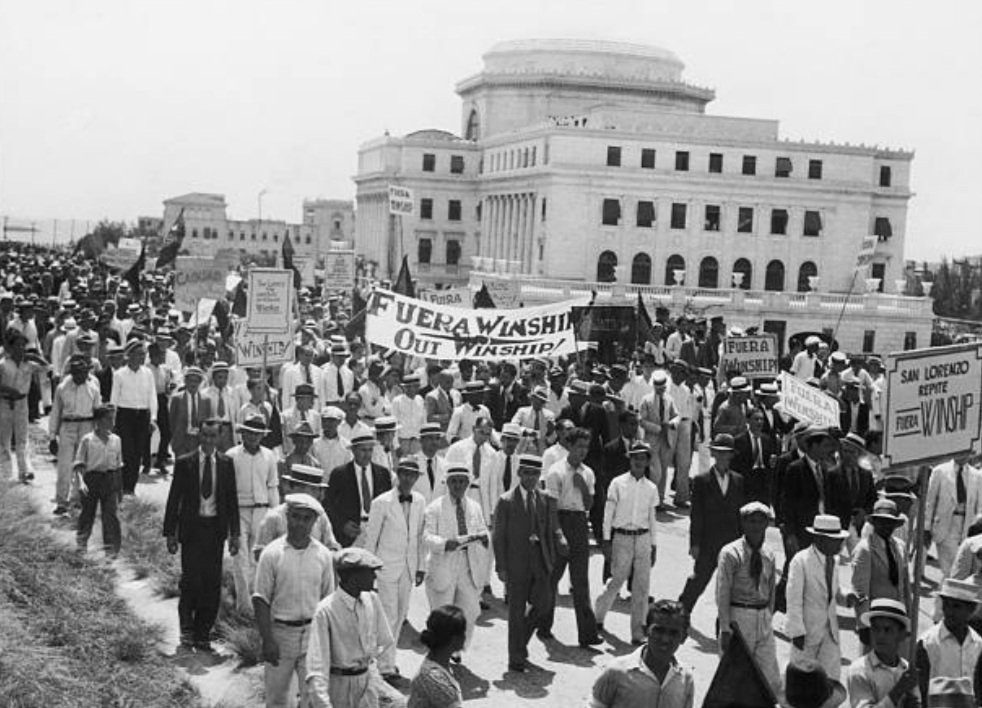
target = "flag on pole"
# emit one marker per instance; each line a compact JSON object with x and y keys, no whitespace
{"x":738,"y":680}
{"x":404,"y":283}
{"x":483,"y":299}
{"x":644,"y":323}
{"x":288,"y":252}
{"x":172,"y":242}
{"x":239,"y":300}
{"x":133,"y":275}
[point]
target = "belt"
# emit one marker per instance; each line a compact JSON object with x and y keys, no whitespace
{"x":571,"y":511}
{"x":293,"y":623}
{"x":750,"y":605}
{"x":475,"y":486}
{"x":77,"y":420}
{"x":631,"y":532}
{"x":354,"y":671}
{"x":253,"y":506}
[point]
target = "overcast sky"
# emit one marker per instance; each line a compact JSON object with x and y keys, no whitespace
{"x":107,"y":107}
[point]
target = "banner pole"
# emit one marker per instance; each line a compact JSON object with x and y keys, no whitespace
{"x":919,"y":552}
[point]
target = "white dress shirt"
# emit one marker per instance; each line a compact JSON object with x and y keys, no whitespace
{"x":134,"y":389}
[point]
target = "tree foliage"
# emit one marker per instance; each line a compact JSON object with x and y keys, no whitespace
{"x":956,"y":290}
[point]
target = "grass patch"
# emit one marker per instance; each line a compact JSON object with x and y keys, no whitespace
{"x":236,"y":628}
{"x":144,"y":547}
{"x":68,"y":640}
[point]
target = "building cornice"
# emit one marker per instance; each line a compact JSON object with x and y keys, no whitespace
{"x":677,"y":90}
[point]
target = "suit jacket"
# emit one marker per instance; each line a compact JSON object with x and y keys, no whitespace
{"x":939,"y":509}
{"x":777,"y":489}
{"x":648,"y":417}
{"x":179,"y":409}
{"x":422,"y":485}
{"x":861,"y":493}
{"x":513,"y":551}
{"x":397,"y":543}
{"x":439,"y":407}
{"x":184,"y":497}
{"x":758,"y":484}
{"x":344,"y":499}
{"x":845,"y":418}
{"x":615,"y":460}
{"x":801,"y":498}
{"x":811,"y":608}
{"x":870,"y":572}
{"x":439,"y":526}
{"x":502,"y":411}
{"x":715,"y":517}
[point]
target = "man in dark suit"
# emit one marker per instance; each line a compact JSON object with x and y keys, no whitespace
{"x":187,"y":409}
{"x":114,"y":360}
{"x":717,"y":497}
{"x":804,"y":497}
{"x":527,"y":540}
{"x":857,"y":481}
{"x":754,"y":458}
{"x":201,"y":513}
{"x":504,"y":399}
{"x":853,"y":412}
{"x":352,"y":487}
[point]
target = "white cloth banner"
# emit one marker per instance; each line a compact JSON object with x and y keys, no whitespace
{"x":428,"y":330}
{"x":806,"y":403}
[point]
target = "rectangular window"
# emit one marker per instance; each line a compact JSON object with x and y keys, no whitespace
{"x":882,"y":228}
{"x":869,"y":341}
{"x":814,"y":169}
{"x":543,"y":208}
{"x":682,"y":161}
{"x":782,"y":167}
{"x":886,"y":176}
{"x":648,"y":158}
{"x":477,"y":211}
{"x":779,"y":221}
{"x":453,"y":252}
{"x":712,"y":217}
{"x":429,"y":162}
{"x":613,"y":156}
{"x":424,"y":251}
{"x":678,"y":216}
{"x":813,"y":224}
{"x":646,"y":214}
{"x":878,"y":270}
{"x":745,"y":220}
{"x":611,"y":212}
{"x":453,"y":210}
{"x":425,"y":208}
{"x":910,"y":341}
{"x":457,"y":164}
{"x":749,"y":164}
{"x":716,"y":162}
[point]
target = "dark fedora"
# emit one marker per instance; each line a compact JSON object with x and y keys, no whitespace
{"x":808,"y":686}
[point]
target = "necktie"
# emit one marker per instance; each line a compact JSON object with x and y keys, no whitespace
{"x":507,"y":479}
{"x":366,"y":493}
{"x":829,"y":573}
{"x":755,"y":443}
{"x":661,"y":410}
{"x":206,"y":481}
{"x":756,"y":565}
{"x":340,"y":384}
{"x":221,"y":403}
{"x":194,"y":410}
{"x":477,"y":462}
{"x":960,"y":492}
{"x":530,"y":506}
{"x":461,"y":519}
{"x":306,"y":373}
{"x":537,"y":422}
{"x":405,"y":498}
{"x":893,"y":570}
{"x":429,"y":473}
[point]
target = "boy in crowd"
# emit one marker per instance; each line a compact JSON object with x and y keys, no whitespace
{"x":882,"y":674}
{"x":98,"y":464}
{"x":950,"y":648}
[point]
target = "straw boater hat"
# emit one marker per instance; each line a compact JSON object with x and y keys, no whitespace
{"x":722,"y":442}
{"x":134,"y":345}
{"x":808,"y":686}
{"x":739,"y":383}
{"x":964,"y":590}
{"x":511,"y":430}
{"x":430,"y":430}
{"x":363,"y":438}
{"x":768,"y":389}
{"x":254,"y":424}
{"x":304,"y":389}
{"x":386,"y":424}
{"x":856,"y":440}
{"x":886,"y":510}
{"x":219,"y":366}
{"x":884,"y":607}
{"x":529,"y":462}
{"x":659,"y":378}
{"x":639,"y":448}
{"x":827,"y":525}
{"x":195,"y":372}
{"x":541,"y":393}
{"x":457,"y":470}
{"x":407,"y":464}
{"x":946,"y":692}
{"x":332,"y":413}
{"x":305,"y":474}
{"x":303,"y":431}
{"x":303,"y":501}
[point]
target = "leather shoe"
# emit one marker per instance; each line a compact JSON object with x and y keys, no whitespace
{"x":519,"y":666}
{"x":637,"y":642}
{"x":545,"y":635}
{"x":592,"y":642}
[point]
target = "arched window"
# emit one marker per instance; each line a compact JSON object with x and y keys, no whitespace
{"x":709,"y":273}
{"x":641,"y":269}
{"x":674,"y":263}
{"x":742,"y":265}
{"x":473,"y":131}
{"x":806,"y":271}
{"x":774,"y":276}
{"x":605,"y":267}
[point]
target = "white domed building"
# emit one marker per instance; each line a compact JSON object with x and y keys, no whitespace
{"x":589,"y":165}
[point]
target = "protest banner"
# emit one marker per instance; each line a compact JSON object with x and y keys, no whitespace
{"x":504,"y":293}
{"x":196,"y":278}
{"x":866,"y":250}
{"x":401,"y":201}
{"x":800,"y":400}
{"x":606,"y":323}
{"x":412,"y":326}
{"x":249,"y":347}
{"x":202,"y":311}
{"x":932,"y":407}
{"x":269,"y":307}
{"x":755,"y":357}
{"x":123,"y":254}
{"x":451,"y":297}
{"x":339,"y":271}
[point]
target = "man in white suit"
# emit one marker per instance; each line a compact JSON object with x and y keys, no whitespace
{"x":457,"y":540}
{"x":337,"y":381}
{"x":537,"y":418}
{"x":475,"y":453}
{"x":953,"y":500}
{"x":302,"y":371}
{"x":511,"y":437}
{"x":395,"y":535}
{"x":432,"y":467}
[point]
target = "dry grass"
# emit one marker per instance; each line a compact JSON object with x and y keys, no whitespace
{"x":68,"y":639}
{"x":238,"y":629}
{"x":144,"y":547}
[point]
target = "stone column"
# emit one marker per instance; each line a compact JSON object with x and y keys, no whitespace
{"x":509,"y":227}
{"x":531,"y":248}
{"x":522,"y":231}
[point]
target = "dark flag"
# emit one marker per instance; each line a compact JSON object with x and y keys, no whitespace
{"x":239,"y":302}
{"x":738,"y":680}
{"x":644,"y":323}
{"x":404,"y":283}
{"x":483,"y":299}
{"x":133,"y":275}
{"x":172,"y":242}
{"x":355,"y":329}
{"x":288,"y":252}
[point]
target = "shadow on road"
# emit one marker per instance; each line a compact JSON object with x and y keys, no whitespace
{"x":472,"y":686}
{"x":530,"y":684}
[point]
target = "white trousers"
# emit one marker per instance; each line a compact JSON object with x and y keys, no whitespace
{"x":461,"y":592}
{"x":394,"y":596}
{"x":758,"y":631}
{"x":243,"y":565}
{"x":627,"y":553}
{"x":292,"y":642}
{"x":13,"y":437}
{"x":947,"y":550}
{"x":825,"y":651}
{"x":70,"y":434}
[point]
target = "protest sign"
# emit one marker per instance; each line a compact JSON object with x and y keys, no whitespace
{"x":806,"y":403}
{"x":196,"y":278}
{"x":401,"y":201}
{"x":755,"y":357}
{"x":123,"y":254}
{"x":412,"y":326}
{"x":932,"y":404}
{"x":202,"y":311}
{"x":270,"y":301}
{"x":339,"y":270}
{"x":866,"y":250}
{"x":504,"y":293}
{"x":451,"y":297}
{"x":249,"y":347}
{"x":606,"y":323}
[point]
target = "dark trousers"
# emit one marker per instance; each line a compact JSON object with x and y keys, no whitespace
{"x":201,"y":579}
{"x":529,"y":603}
{"x":133,"y":429}
{"x":163,"y":425}
{"x":757,"y":485}
{"x":574,"y":527}
{"x":103,"y":493}
{"x":702,"y":573}
{"x":34,"y":399}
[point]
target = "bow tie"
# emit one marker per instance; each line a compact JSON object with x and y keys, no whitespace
{"x":475,"y":407}
{"x":405,"y":498}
